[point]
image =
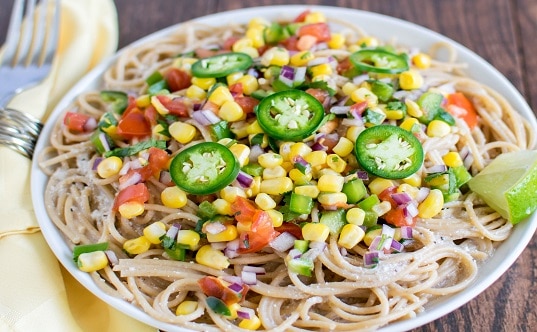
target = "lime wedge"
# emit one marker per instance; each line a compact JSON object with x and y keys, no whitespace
{"x":509,"y":184}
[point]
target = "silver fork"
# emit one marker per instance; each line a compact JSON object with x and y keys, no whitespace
{"x":27,"y":60}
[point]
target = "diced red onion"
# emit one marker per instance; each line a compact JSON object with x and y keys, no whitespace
{"x":318,"y":147}
{"x":236,"y":287}
{"x":165,"y":177}
{"x":300,"y":74}
{"x":374,"y":246}
{"x":312,"y":253}
{"x":406,"y":232}
{"x":436,"y":169}
{"x":343,"y":251}
{"x":218,"y":245}
{"x":288,"y":72}
{"x":371,"y":259}
{"x":254,"y":269}
{"x":129,"y":180}
{"x":90,"y":125}
{"x":96,"y":163}
{"x":233,"y":245}
{"x":340,"y":109}
{"x":318,"y":61}
{"x":232,"y":279}
{"x":255,"y":152}
{"x":104,"y":141}
{"x":245,"y":313}
{"x":358,"y":122}
{"x":357,"y":80}
{"x":253,"y":72}
{"x":342,"y":101}
{"x":196,"y":107}
{"x":245,"y":179}
{"x":396,"y":246}
{"x":214,"y":227}
{"x":423,"y":192}
{"x":318,"y":244}
{"x":388,"y":231}
{"x":362,"y":175}
{"x":401,"y":198}
{"x":295,"y":253}
{"x":112,"y":258}
{"x":205,"y":117}
{"x":298,"y":159}
{"x":172,"y":231}
{"x":283,"y":242}
{"x":230,"y":253}
{"x":249,"y":278}
{"x":411,"y":209}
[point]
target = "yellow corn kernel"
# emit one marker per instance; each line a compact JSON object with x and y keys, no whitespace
{"x":195,"y":92}
{"x":154,"y":231}
{"x":188,"y":238}
{"x":230,"y":193}
{"x":239,"y":129}
{"x":210,"y":257}
{"x":371,"y":235}
{"x":452,"y":159}
{"x":274,"y":172}
{"x":409,"y":123}
{"x":204,"y":83}
{"x":410,"y":80}
{"x":231,"y":111}
{"x":337,"y":40}
{"x":315,"y":232}
{"x":249,"y":84}
{"x":229,"y":234}
{"x":256,"y":36}
{"x":329,"y":199}
{"x":241,"y":43}
{"x":258,"y":22}
{"x":233,"y":77}
{"x":438,"y":128}
{"x":413,"y":109}
{"x":184,"y":63}
{"x":308,"y":190}
{"x":355,"y":216}
{"x":306,"y":42}
{"x":276,"y":186}
{"x":379,"y":184}
{"x":422,"y":60}
{"x":112,"y":131}
{"x":394,"y":114}
{"x":348,"y":88}
{"x":143,"y":101}
{"x":109,"y":167}
{"x":353,"y":132}
{"x":186,"y":308}
{"x":413,"y":180}
{"x":301,"y":59}
{"x":173,"y":197}
{"x":220,"y":95}
{"x":270,"y":159}
{"x":131,"y":209}
{"x":362,"y":94}
{"x":254,"y":128}
{"x":250,"y":50}
{"x":431,"y":205}
{"x":182,"y":132}
{"x":288,"y":166}
{"x":254,"y":187}
{"x":276,"y":217}
{"x":343,"y":147}
{"x":137,"y":245}
{"x":409,"y":189}
{"x":253,"y":323}
{"x":316,"y":158}
{"x":315,"y":17}
{"x":92,"y":261}
{"x":157,"y":133}
{"x":320,"y":70}
{"x":336,"y":163}
{"x":298,"y":149}
{"x":300,"y":178}
{"x":368,"y":42}
{"x":331,"y":183}
{"x":381,"y":208}
{"x":285,"y":150}
{"x":265,"y":202}
{"x":222,"y":207}
{"x":277,"y":56}
{"x":350,"y":236}
{"x":241,"y":152}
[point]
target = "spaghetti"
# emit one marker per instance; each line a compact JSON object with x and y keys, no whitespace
{"x":341,"y":290}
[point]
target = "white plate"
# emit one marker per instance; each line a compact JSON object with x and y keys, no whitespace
{"x":378,"y":25}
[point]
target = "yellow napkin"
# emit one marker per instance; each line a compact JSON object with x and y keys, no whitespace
{"x":36,"y":294}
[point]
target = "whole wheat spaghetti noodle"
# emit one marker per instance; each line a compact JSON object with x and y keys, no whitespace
{"x":342,"y":289}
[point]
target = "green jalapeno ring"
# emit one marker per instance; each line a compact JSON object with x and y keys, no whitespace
{"x":221,"y":65}
{"x":379,"y":61}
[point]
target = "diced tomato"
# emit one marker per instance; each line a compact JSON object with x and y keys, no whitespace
{"x":302,"y":16}
{"x":204,"y":53}
{"x":344,"y":65}
{"x":75,"y":121}
{"x":290,"y":228}
{"x":290,"y":43}
{"x":135,"y":193}
{"x":247,"y":103}
{"x":319,"y":94}
{"x":398,"y":217}
{"x":321,"y":31}
{"x":213,"y":286}
{"x":151,"y":115}
{"x":386,"y":195}
{"x":134,"y":124}
{"x":236,"y":89}
{"x":175,"y":106}
{"x":243,"y":209}
{"x":158,"y":158}
{"x":260,"y":234}
{"x":130,"y":106}
{"x":460,"y":106}
{"x":177,"y":79}
{"x":228,"y":43}
{"x":210,"y":106}
{"x":358,"y":108}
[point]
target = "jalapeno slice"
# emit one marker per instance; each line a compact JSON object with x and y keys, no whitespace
{"x":221,"y":65}
{"x":289,"y":115}
{"x":389,"y":152}
{"x":379,"y":61}
{"x":204,"y":168}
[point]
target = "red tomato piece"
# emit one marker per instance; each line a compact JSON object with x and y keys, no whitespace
{"x":319,"y":94}
{"x":236,"y":89}
{"x":158,"y":158}
{"x":302,"y":16}
{"x":358,"y":108}
{"x":290,"y":43}
{"x":247,"y":103}
{"x":344,"y":65}
{"x":319,"y":30}
{"x":175,"y":106}
{"x":151,"y":115}
{"x":398,"y":217}
{"x":135,"y":193}
{"x":290,"y":228}
{"x":463,"y":108}
{"x":228,"y":43}
{"x":260,"y":234}
{"x":243,"y":209}
{"x":213,"y":286}
{"x":134,"y":124}
{"x":75,"y":121}
{"x":386,"y":195}
{"x":177,"y":79}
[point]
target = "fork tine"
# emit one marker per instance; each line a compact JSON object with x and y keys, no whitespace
{"x":54,"y":31}
{"x":27,"y":32}
{"x":13,"y":31}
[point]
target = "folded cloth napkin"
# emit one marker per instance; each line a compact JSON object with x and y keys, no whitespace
{"x":36,"y":294}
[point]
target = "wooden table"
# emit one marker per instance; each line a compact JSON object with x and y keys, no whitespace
{"x":503,"y":32}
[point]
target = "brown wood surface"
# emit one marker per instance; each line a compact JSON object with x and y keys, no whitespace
{"x":503,"y":32}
